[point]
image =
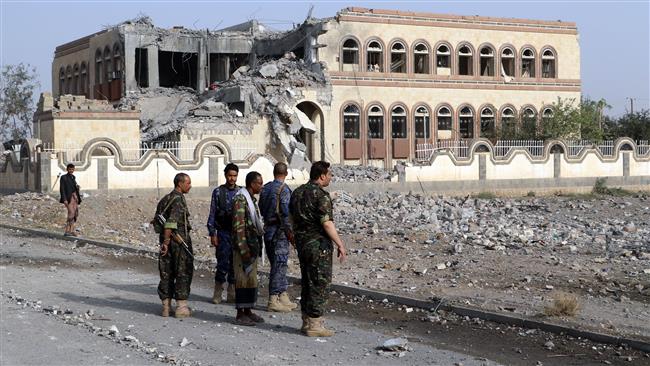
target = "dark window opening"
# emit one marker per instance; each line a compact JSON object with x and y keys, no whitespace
{"x":351,"y":122}
{"x":465,"y":61}
{"x":528,"y":64}
{"x":444,"y":119}
{"x":177,"y":69}
{"x":398,"y":123}
{"x":376,"y":123}
{"x":508,"y":62}
{"x":508,"y":124}
{"x":142,"y":67}
{"x":442,"y":56}
{"x":98,"y":67}
{"x":61,"y":81}
{"x":548,"y":64}
{"x":466,"y":124}
{"x":422,"y":123}
{"x":83,"y":80}
{"x":299,"y":52}
{"x":350,"y":55}
{"x":375,"y":59}
{"x":398,"y":58}
{"x":421,"y":59}
{"x":488,"y":130}
{"x":487,"y":62}
{"x":222,"y":65}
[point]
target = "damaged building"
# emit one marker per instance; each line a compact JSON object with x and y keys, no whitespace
{"x":361,"y":88}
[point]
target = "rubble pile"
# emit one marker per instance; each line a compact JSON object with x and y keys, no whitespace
{"x":349,"y":173}
{"x":269,"y":89}
{"x":495,"y":224}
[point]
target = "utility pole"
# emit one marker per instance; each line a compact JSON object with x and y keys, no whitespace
{"x":631,"y":104}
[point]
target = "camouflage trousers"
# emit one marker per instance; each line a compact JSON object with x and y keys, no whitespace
{"x":316,"y":270}
{"x":277,"y":250}
{"x":176,"y":270}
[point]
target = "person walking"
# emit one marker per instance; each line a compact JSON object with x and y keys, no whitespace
{"x":247,"y":230}
{"x":71,"y":199}
{"x":274,"y":206}
{"x":312,"y":217}
{"x":220,"y":230}
{"x":176,"y":261}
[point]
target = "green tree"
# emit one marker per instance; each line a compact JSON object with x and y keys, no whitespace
{"x":575,"y":121}
{"x":633,"y":125}
{"x":17,"y":86}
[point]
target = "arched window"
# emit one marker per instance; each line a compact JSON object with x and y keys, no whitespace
{"x":442,"y":56}
{"x":117,"y":61}
{"x":444,"y":119}
{"x":398,"y":58}
{"x":466,"y":123}
{"x":376,"y":123}
{"x":108,"y":65}
{"x":486,"y":55}
{"x":375,"y":59}
{"x":548,"y":64}
{"x":75,"y":77}
{"x":351,"y":122}
{"x":488,"y":129}
{"x":527,"y":63}
{"x":422,"y":123}
{"x":547,"y":114}
{"x":421,"y":59}
{"x":83,"y":79}
{"x":465,"y":60}
{"x":398,"y":122}
{"x":98,"y":67}
{"x":508,"y":62}
{"x":508,"y":123}
{"x":61,"y":81}
{"x":68,"y":80}
{"x":350,"y":55}
{"x":529,"y":122}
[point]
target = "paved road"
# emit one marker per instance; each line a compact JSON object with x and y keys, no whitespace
{"x":60,"y":301}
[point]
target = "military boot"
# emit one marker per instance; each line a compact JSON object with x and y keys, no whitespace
{"x":305,"y":323}
{"x":284,"y":300}
{"x":166,"y":307}
{"x":182,"y":310}
{"x":276,"y":305}
{"x":315,"y":328}
{"x":230,"y":297}
{"x":218,"y":291}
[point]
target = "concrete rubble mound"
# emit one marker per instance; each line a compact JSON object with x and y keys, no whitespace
{"x":269,"y":89}
{"x":351,"y":173}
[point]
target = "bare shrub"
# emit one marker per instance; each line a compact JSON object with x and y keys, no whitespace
{"x":563,"y":304}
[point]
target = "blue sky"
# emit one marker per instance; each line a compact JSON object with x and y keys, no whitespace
{"x":614,"y":35}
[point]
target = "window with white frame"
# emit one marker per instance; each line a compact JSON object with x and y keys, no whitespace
{"x":398,"y":58}
{"x":548,"y":64}
{"x":421,"y":59}
{"x":375,"y":122}
{"x":422,"y":123}
{"x":508,"y":62}
{"x":465,"y":61}
{"x":486,"y":56}
{"x":398,"y":123}
{"x":351,"y":122}
{"x":375,"y":57}
{"x":527,"y":63}
{"x":444,"y":119}
{"x":443,"y":56}
{"x":466,"y":123}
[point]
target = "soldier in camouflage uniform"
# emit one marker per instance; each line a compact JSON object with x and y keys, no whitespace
{"x":274,"y":206}
{"x":247,"y":232}
{"x":313,"y":222}
{"x":176,"y":266}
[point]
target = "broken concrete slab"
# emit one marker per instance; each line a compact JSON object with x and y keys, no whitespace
{"x":269,"y":70}
{"x":305,"y":122}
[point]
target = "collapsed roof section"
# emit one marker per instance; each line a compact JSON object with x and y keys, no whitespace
{"x":252,"y":73}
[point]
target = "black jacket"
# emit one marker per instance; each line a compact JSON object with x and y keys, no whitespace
{"x":68,"y":187}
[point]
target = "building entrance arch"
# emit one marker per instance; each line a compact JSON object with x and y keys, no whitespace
{"x":307,"y":134}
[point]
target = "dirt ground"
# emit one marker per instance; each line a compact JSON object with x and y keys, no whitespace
{"x":611,"y":285}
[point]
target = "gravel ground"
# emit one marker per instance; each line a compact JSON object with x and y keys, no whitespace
{"x":511,"y":255}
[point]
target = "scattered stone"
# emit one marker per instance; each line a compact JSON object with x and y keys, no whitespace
{"x":549,"y":345}
{"x":394,"y":345}
{"x":185,"y":342}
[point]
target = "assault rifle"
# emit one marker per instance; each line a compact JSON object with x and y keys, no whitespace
{"x":162,"y":220}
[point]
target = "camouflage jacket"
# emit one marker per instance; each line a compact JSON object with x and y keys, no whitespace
{"x":310,"y":207}
{"x":245,"y":237}
{"x":179,"y":215}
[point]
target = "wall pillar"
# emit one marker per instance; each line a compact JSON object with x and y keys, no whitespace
{"x":152,"y":66}
{"x":557,"y":161}
{"x":44,"y":184}
{"x":102,"y":173}
{"x":626,"y":164}
{"x":481,"y":166}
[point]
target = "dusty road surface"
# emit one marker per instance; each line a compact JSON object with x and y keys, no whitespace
{"x":510,"y":255}
{"x":71,"y":304}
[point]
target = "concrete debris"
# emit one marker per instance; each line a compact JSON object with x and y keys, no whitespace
{"x":549,"y":345}
{"x":394,"y":345}
{"x":268,"y":70}
{"x":185,"y":342}
{"x":350,"y":173}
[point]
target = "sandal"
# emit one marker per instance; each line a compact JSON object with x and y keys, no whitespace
{"x":245,"y":321}
{"x":256,"y":318}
